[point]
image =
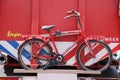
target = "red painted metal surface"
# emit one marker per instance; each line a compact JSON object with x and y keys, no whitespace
{"x":35,"y":16}
{"x":9,"y":78}
{"x":53,"y":13}
{"x":100,"y":17}
{"x":27,"y":16}
{"x":15,"y":18}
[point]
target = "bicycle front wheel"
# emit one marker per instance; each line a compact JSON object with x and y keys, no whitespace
{"x":27,"y":54}
{"x":100,"y":58}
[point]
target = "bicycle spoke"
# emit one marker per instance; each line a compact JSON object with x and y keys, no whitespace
{"x":30,"y":55}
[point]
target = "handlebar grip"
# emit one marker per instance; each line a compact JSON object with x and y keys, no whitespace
{"x":72,"y":15}
{"x":73,"y":12}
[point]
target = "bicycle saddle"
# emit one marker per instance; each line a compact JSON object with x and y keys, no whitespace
{"x":47,"y":27}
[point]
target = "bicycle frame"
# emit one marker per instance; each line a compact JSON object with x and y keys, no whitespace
{"x":51,"y":37}
{"x":43,"y":47}
{"x":66,"y":33}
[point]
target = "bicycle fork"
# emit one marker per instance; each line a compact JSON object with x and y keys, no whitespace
{"x":89,"y":46}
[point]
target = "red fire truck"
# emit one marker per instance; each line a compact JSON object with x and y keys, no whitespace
{"x":19,"y":17}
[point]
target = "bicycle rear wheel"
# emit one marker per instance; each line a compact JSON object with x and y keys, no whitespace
{"x":101,"y":58}
{"x":27,"y":57}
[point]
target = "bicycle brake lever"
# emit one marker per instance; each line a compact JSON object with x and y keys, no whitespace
{"x":66,"y":17}
{"x":71,"y":11}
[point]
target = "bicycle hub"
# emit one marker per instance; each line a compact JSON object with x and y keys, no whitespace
{"x":59,"y":58}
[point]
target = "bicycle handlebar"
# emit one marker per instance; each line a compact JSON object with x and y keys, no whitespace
{"x":72,"y":13}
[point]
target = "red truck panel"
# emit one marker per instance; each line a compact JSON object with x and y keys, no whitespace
{"x":102,"y":17}
{"x":17,"y":17}
{"x":27,"y":16}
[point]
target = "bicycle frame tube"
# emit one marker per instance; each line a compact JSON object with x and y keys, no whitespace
{"x":53,"y":42}
{"x":64,"y":33}
{"x":69,"y":48}
{"x":67,"y":33}
{"x":74,"y":45}
{"x":74,"y":32}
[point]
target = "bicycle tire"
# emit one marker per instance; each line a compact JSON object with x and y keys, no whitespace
{"x":25,"y":56}
{"x":99,"y":48}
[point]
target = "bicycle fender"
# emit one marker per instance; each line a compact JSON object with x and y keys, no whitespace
{"x":29,"y":37}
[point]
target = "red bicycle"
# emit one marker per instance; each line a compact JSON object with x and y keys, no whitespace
{"x":40,"y":51}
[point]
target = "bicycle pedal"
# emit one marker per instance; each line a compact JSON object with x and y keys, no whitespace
{"x":64,"y":62}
